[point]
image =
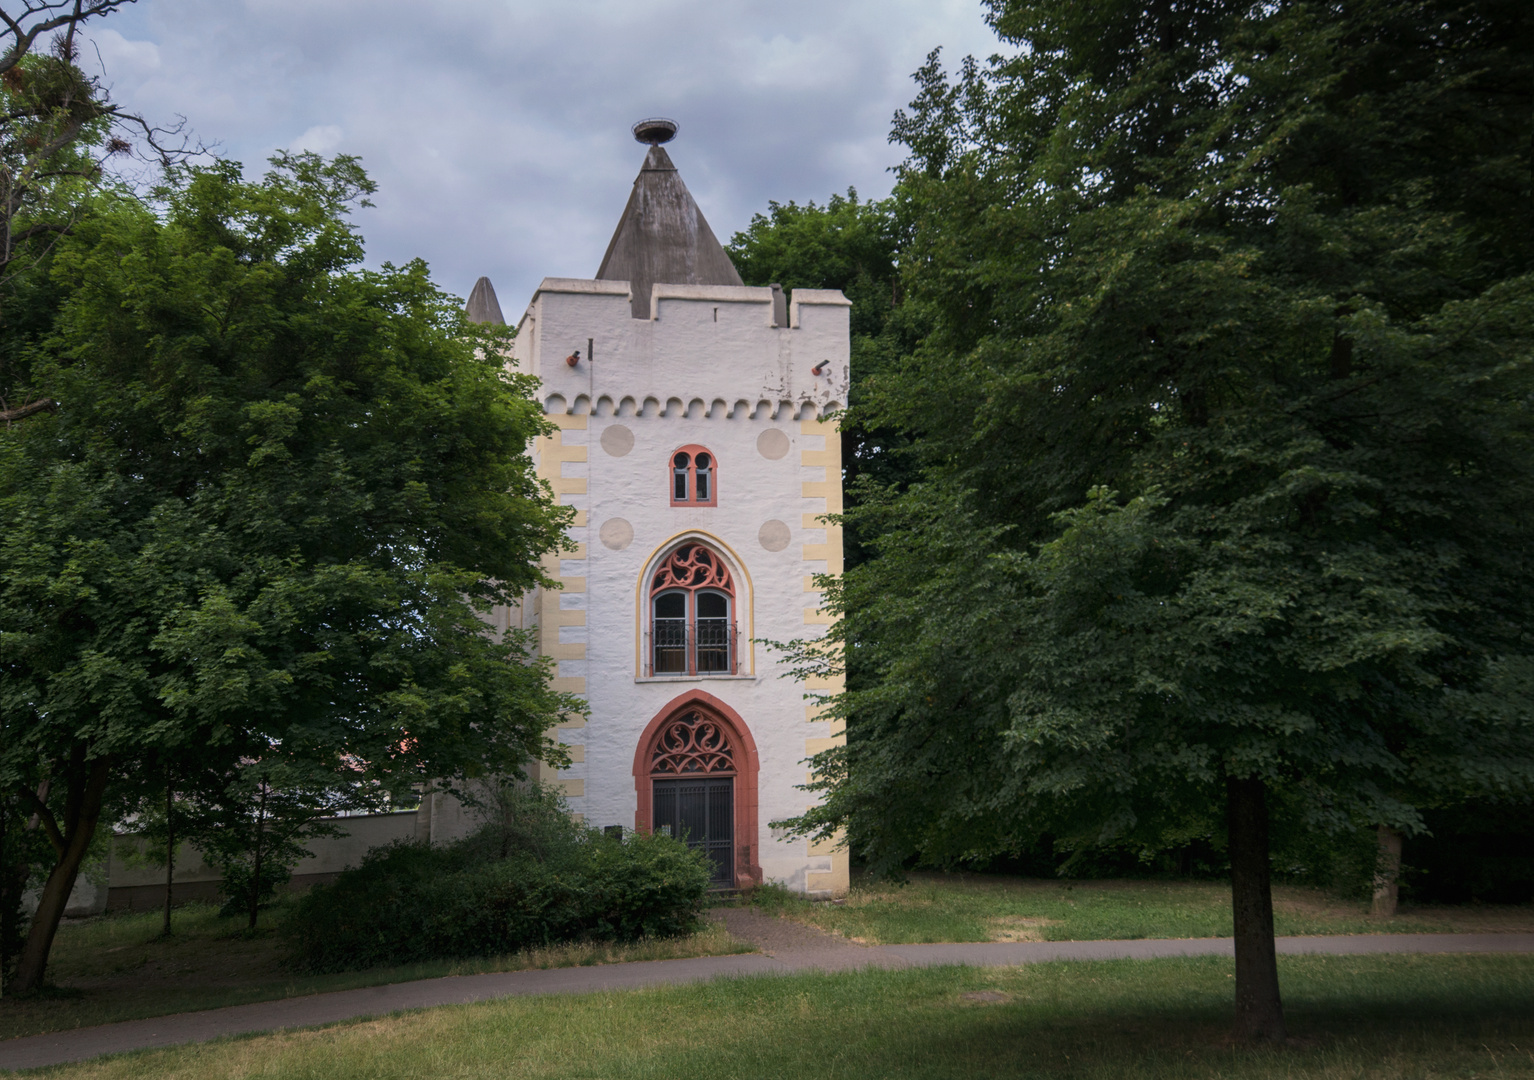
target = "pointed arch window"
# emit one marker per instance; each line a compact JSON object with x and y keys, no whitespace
{"x":694,"y":477}
{"x":692,"y":615}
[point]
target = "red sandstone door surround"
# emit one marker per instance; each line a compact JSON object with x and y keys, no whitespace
{"x":697,"y":736}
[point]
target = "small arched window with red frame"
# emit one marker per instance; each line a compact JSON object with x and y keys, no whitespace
{"x":694,"y":477}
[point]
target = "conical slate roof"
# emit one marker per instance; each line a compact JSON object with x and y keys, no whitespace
{"x":663,"y":238}
{"x":483,"y":307}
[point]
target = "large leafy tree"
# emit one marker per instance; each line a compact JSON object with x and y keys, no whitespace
{"x":275,"y":499}
{"x":1225,"y":506}
{"x":852,"y":245}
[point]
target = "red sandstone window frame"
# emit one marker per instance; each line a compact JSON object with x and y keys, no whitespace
{"x":689,"y":644}
{"x":688,"y":475}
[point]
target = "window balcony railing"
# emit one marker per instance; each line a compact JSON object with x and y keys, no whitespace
{"x":703,"y":647}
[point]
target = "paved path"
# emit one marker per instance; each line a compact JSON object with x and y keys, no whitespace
{"x":785,"y":947}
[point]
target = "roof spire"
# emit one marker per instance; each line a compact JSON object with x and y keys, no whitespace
{"x":663,"y":237}
{"x":483,"y":307}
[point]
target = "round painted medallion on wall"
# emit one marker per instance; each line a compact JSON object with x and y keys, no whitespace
{"x":617,"y":440}
{"x":772,"y":444}
{"x":616,"y":533}
{"x":774,"y":535}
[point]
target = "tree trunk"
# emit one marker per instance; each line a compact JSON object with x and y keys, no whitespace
{"x":255,"y":869}
{"x":170,"y":852}
{"x":1387,"y":872}
{"x":87,"y":785}
{"x":1259,"y":1010}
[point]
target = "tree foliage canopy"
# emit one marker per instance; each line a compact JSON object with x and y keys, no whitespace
{"x":276,"y":498}
{"x":853,"y":246}
{"x":1224,"y":429}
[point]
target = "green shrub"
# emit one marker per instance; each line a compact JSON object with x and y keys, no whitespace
{"x":556,"y":882}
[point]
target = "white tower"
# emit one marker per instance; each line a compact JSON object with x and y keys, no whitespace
{"x":693,"y":443}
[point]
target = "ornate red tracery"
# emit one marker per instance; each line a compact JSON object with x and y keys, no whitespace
{"x":693,"y":566}
{"x":691,"y":745}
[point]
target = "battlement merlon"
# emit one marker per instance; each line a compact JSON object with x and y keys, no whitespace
{"x":708,"y":348}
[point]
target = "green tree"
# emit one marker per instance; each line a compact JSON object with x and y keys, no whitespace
{"x":58,"y":130}
{"x":276,"y":498}
{"x":1224,"y":511}
{"x":253,"y":826}
{"x":855,"y":247}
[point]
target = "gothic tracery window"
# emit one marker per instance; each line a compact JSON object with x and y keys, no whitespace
{"x":692,"y":626}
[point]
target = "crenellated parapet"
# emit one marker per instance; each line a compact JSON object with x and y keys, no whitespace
{"x":706,"y":351}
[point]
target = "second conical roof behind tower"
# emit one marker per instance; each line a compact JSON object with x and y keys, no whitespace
{"x":663,"y":238}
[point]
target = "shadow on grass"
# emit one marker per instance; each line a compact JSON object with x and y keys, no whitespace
{"x":1370,"y":1017}
{"x":1348,"y":1017}
{"x":120,"y":968}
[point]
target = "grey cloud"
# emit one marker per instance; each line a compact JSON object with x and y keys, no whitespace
{"x":498,"y":131}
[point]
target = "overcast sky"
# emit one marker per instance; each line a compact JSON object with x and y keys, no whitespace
{"x":498,"y":130}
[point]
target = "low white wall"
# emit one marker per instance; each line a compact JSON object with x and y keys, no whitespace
{"x":131,"y":878}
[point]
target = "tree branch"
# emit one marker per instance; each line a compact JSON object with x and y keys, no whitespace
{"x":21,"y":412}
{"x":44,"y":817}
{"x":25,"y":36}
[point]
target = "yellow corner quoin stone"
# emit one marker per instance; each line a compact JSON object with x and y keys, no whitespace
{"x":577,"y":752}
{"x":828,"y":846}
{"x":572,"y":787}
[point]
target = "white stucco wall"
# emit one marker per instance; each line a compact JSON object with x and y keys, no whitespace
{"x":708,"y":368}
{"x":327,"y":854}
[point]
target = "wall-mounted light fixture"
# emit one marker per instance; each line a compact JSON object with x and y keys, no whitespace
{"x":820,"y":368}
{"x":574,"y":358}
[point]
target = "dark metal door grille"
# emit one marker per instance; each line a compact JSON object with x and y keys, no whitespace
{"x":702,"y":813}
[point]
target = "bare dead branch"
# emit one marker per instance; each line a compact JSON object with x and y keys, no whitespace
{"x":23,"y":36}
{"x":21,"y":412}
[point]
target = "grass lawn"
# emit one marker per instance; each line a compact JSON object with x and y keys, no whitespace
{"x":973,"y":907}
{"x":118,"y":968}
{"x":1359,"y":1018}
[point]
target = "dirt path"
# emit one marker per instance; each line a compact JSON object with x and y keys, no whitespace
{"x":800,"y":947}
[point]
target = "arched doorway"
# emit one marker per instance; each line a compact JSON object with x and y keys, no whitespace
{"x":695,"y":777}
